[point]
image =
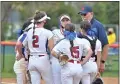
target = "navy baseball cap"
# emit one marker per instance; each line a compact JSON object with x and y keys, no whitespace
{"x":85,"y":10}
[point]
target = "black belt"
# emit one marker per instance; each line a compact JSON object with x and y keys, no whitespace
{"x":38,"y":55}
{"x":91,"y":56}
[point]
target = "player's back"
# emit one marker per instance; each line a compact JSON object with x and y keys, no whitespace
{"x":78,"y":48}
{"x":38,"y":43}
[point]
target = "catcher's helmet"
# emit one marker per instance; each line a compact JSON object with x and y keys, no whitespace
{"x":98,"y":81}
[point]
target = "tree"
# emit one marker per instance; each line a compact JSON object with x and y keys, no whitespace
{"x":113,"y":12}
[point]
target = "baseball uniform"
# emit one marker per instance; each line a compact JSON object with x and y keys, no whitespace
{"x":39,"y":64}
{"x":90,"y":68}
{"x":56,"y":69}
{"x":71,"y":72}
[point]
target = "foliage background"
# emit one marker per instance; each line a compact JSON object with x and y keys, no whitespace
{"x":14,"y":13}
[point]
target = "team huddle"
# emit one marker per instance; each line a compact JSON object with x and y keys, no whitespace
{"x":61,"y":56}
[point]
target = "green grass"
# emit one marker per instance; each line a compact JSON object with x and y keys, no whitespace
{"x":8,"y":67}
{"x":112,"y":60}
{"x":112,"y":67}
{"x":8,"y":75}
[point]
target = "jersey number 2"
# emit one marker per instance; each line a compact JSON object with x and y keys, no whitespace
{"x":75,"y":52}
{"x":35,"y":41}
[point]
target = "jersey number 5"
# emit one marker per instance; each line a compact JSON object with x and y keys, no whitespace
{"x":75,"y":52}
{"x":35,"y":41}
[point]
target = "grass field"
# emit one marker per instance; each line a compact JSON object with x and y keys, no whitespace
{"x":111,"y":68}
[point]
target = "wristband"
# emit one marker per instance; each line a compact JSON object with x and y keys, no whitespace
{"x":102,"y":61}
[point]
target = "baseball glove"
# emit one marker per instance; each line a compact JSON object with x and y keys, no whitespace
{"x":63,"y":59}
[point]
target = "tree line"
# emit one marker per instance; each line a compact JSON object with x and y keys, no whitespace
{"x":106,"y":12}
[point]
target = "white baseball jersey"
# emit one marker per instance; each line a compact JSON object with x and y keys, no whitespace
{"x":38,"y":45}
{"x":98,"y":46}
{"x":77,"y":50}
{"x":58,"y":35}
{"x":21,"y":39}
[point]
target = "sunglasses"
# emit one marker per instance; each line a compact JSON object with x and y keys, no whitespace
{"x":83,"y":14}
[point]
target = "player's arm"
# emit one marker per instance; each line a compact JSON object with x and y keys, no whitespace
{"x":55,"y":37}
{"x":87,"y":57}
{"x":98,"y":49}
{"x":54,"y":54}
{"x":19,"y":46}
{"x":50,"y":44}
{"x":50,"y":40}
{"x":98,"y":58}
{"x":86,"y":47}
{"x":57,"y":50}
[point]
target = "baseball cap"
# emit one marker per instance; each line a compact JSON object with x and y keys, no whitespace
{"x":64,"y":16}
{"x":85,"y":10}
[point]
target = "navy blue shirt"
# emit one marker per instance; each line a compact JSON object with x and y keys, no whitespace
{"x":99,"y":30}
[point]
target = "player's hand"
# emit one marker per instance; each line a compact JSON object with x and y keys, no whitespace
{"x":18,"y":57}
{"x":102,"y":67}
{"x":81,"y":62}
{"x":98,"y":79}
{"x":63,"y":58}
{"x":98,"y":74}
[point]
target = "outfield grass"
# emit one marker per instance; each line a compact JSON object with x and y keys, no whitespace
{"x":8,"y":66}
{"x":112,"y":67}
{"x":111,"y":71}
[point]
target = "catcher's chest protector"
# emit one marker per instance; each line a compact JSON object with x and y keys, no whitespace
{"x":93,"y":45}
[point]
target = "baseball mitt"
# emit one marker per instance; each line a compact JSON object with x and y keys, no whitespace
{"x":63,"y":58}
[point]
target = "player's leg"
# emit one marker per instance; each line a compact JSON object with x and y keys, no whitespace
{"x":66,"y":74}
{"x":34,"y":72}
{"x":56,"y":70}
{"x":85,"y":79}
{"x":47,"y":76}
{"x":94,"y":70}
{"x":45,"y":69}
{"x":21,"y":78}
{"x":76,"y":79}
{"x":92,"y":77}
{"x":66,"y":79}
{"x":35,"y":77}
{"x":28,"y":77}
{"x":20,"y":70}
{"x":77,"y":73}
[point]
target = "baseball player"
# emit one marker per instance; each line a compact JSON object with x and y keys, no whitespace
{"x":73,"y":47}
{"x":20,"y":65}
{"x":90,"y":69}
{"x":36,"y":39}
{"x":58,"y":35}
